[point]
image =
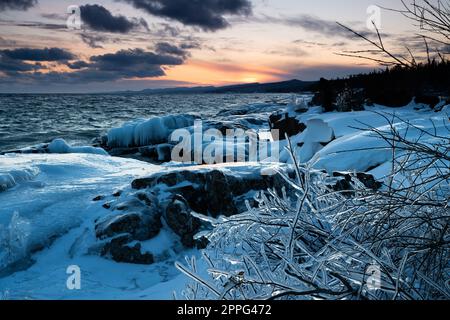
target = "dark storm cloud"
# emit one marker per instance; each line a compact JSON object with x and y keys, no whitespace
{"x":206,"y":14}
{"x":22,"y":65}
{"x":14,"y":62}
{"x":101,"y":19}
{"x":12,"y":67}
{"x":78,"y":65}
{"x":192,"y":44}
{"x":123,"y":64}
{"x":54,"y":16}
{"x":132,"y":58}
{"x":34,"y":24}
{"x":46,"y":54}
{"x":167,"y":48}
{"x":165,"y":30}
{"x":16,"y":4}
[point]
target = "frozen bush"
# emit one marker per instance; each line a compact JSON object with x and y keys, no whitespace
{"x":393,"y":243}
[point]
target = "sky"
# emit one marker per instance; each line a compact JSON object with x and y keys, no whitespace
{"x":101,"y":46}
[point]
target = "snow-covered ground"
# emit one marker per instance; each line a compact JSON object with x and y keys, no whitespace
{"x":49,"y":204}
{"x":47,"y":219}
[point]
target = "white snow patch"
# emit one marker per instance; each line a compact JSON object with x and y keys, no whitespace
{"x":353,"y":148}
{"x":362,"y":150}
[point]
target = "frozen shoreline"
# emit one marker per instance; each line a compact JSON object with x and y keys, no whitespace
{"x":52,"y":193}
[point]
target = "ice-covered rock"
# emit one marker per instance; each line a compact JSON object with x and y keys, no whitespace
{"x":179,"y":218}
{"x":140,"y":226}
{"x":211,"y":190}
{"x":339,"y":141}
{"x":57,"y":146}
{"x":159,"y":153}
{"x":173,"y":195}
{"x":147,"y":132}
{"x":364,"y":150}
{"x":121,"y":249}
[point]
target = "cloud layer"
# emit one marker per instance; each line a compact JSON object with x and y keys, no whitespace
{"x":207,"y":14}
{"x":25,"y":65}
{"x":327,"y":28}
{"x":16,"y":4}
{"x":99,"y":18}
{"x":167,"y":48}
{"x":46,"y":54}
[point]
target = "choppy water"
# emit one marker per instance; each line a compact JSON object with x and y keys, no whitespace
{"x":27,"y":120}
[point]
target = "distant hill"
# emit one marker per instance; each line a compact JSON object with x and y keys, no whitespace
{"x":291,"y":86}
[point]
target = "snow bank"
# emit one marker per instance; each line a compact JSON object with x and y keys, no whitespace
{"x":363,"y":150}
{"x":61,"y":146}
{"x":147,"y":132}
{"x":336,"y":141}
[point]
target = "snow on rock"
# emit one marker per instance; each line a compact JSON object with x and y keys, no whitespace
{"x":318,"y":131}
{"x":336,"y":141}
{"x":61,"y":146}
{"x":317,"y":134}
{"x":355,"y":152}
{"x":147,"y":132}
{"x":364,"y":150}
{"x":210,"y":190}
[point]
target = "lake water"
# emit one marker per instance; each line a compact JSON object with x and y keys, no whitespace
{"x":27,"y":120}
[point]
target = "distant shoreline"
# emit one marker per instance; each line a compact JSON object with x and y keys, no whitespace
{"x":290,"y":86}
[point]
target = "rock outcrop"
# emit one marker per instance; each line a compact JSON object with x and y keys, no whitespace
{"x":140,"y":226}
{"x":119,"y":249}
{"x":179,"y":218}
{"x":286,"y":125}
{"x":210,"y":192}
{"x":173,"y":200}
{"x":139,"y":220}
